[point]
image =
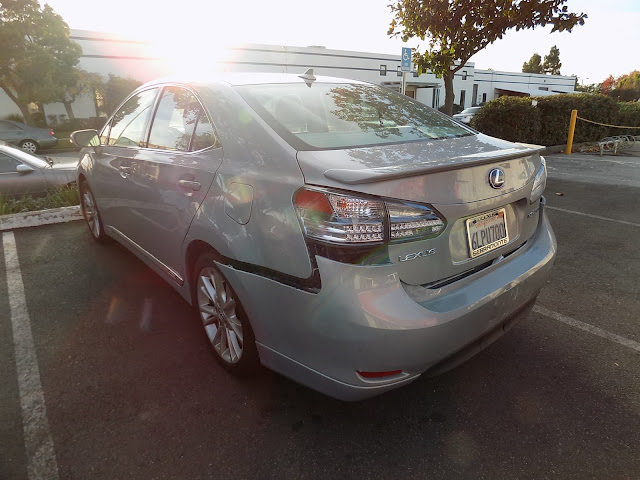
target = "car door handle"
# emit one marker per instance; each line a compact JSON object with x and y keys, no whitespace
{"x":195,"y":186}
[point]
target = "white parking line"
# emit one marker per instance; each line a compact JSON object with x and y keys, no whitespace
{"x":624,"y":222}
{"x":588,"y":328}
{"x":41,"y":457}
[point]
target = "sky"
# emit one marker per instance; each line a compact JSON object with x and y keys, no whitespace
{"x":606,"y":44}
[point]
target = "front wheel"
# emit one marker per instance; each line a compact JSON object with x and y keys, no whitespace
{"x":224,"y":320}
{"x":91,"y":213}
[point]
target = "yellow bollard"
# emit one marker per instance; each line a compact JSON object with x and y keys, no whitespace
{"x":572,"y":127}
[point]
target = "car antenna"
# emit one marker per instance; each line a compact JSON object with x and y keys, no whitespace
{"x":308,"y":77}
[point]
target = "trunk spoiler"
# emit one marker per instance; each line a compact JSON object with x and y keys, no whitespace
{"x":372,"y":175}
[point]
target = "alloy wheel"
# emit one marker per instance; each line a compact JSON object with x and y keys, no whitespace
{"x":91,"y":213}
{"x":218,"y":311}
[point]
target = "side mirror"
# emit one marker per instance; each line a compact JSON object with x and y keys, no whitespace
{"x":23,"y":169}
{"x":85,"y":138}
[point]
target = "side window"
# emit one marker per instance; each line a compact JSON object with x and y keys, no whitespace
{"x":7,"y":164}
{"x":9,"y":127}
{"x":205,"y":135}
{"x":175,"y":120}
{"x":128,"y":124}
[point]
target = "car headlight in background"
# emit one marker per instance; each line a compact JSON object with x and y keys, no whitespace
{"x":540,"y":182}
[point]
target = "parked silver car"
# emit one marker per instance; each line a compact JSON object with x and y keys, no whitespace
{"x":30,"y":139}
{"x":337,"y":232}
{"x":467,"y":114}
{"x":24,"y":174}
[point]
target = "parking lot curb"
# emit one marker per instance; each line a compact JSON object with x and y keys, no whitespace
{"x":41,"y":217}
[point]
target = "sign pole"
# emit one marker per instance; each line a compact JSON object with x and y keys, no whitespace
{"x":404,"y":83}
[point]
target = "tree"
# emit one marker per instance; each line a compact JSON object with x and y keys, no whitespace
{"x":534,"y":65}
{"x":625,"y":88}
{"x":84,"y":82}
{"x":552,"y":62}
{"x":608,"y":85}
{"x":115,"y":90}
{"x":37,"y":57}
{"x":458,"y":29}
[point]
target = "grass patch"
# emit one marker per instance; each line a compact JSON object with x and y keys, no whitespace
{"x":63,"y":142}
{"x":66,"y":196}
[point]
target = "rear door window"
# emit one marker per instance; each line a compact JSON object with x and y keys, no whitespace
{"x":129,"y":124}
{"x":180,"y":123}
{"x":205,"y":135}
{"x":7,"y":164}
{"x":9,"y":127}
{"x":175,"y":120}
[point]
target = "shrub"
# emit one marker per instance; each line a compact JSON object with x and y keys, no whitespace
{"x":555,"y":113}
{"x":516,"y":119}
{"x":60,"y":197}
{"x":511,"y":118}
{"x":81,"y":123}
{"x":629,"y":116}
{"x":14,"y":117}
{"x":38,"y":120}
{"x":94,"y":122}
{"x":456,"y":109}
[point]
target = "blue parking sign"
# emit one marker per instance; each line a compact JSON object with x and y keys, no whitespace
{"x":406,"y":60}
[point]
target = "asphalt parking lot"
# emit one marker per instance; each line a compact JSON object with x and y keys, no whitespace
{"x":131,"y":391}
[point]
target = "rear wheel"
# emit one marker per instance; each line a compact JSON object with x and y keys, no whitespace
{"x":91,"y":213}
{"x":29,"y":146}
{"x":223,"y":318}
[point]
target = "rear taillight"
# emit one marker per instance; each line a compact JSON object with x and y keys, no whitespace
{"x":51,"y":133}
{"x":342,"y":218}
{"x":410,"y":221}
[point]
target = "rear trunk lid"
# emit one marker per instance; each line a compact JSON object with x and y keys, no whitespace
{"x":452,"y":176}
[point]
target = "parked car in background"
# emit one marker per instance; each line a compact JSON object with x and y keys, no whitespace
{"x":30,"y":139}
{"x":467,"y":114}
{"x":24,"y":174}
{"x":339,"y":233}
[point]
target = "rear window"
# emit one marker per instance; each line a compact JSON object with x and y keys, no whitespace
{"x":325,"y":116}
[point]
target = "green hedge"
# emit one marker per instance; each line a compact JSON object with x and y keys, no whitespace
{"x":516,"y":119}
{"x":629,"y":115}
{"x":66,"y":196}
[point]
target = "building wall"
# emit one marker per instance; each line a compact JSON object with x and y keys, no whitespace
{"x":106,"y":53}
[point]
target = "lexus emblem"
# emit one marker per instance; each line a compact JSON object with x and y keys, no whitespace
{"x":496,"y":178}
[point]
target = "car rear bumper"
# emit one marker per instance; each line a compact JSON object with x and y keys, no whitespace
{"x":365,"y":319}
{"x":47,"y":142}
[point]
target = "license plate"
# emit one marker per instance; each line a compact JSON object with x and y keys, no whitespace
{"x":487,"y":232}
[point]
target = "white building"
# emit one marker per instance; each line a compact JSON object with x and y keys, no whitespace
{"x":105,"y":53}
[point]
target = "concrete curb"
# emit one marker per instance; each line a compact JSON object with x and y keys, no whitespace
{"x":42,"y":217}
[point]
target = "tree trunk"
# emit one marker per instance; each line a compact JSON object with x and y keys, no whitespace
{"x":24,"y":109}
{"x":448,"y":92}
{"x":67,"y":107}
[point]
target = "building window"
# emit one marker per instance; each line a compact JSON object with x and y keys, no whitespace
{"x":464,"y":74}
{"x":484,"y":98}
{"x":399,"y":71}
{"x":546,"y":89}
{"x":463,"y":94}
{"x":383,"y":70}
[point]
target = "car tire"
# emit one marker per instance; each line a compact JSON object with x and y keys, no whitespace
{"x":91,"y":214}
{"x":223,"y":318}
{"x":29,"y":146}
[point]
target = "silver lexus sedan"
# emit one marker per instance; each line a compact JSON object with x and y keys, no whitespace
{"x":335,"y":231}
